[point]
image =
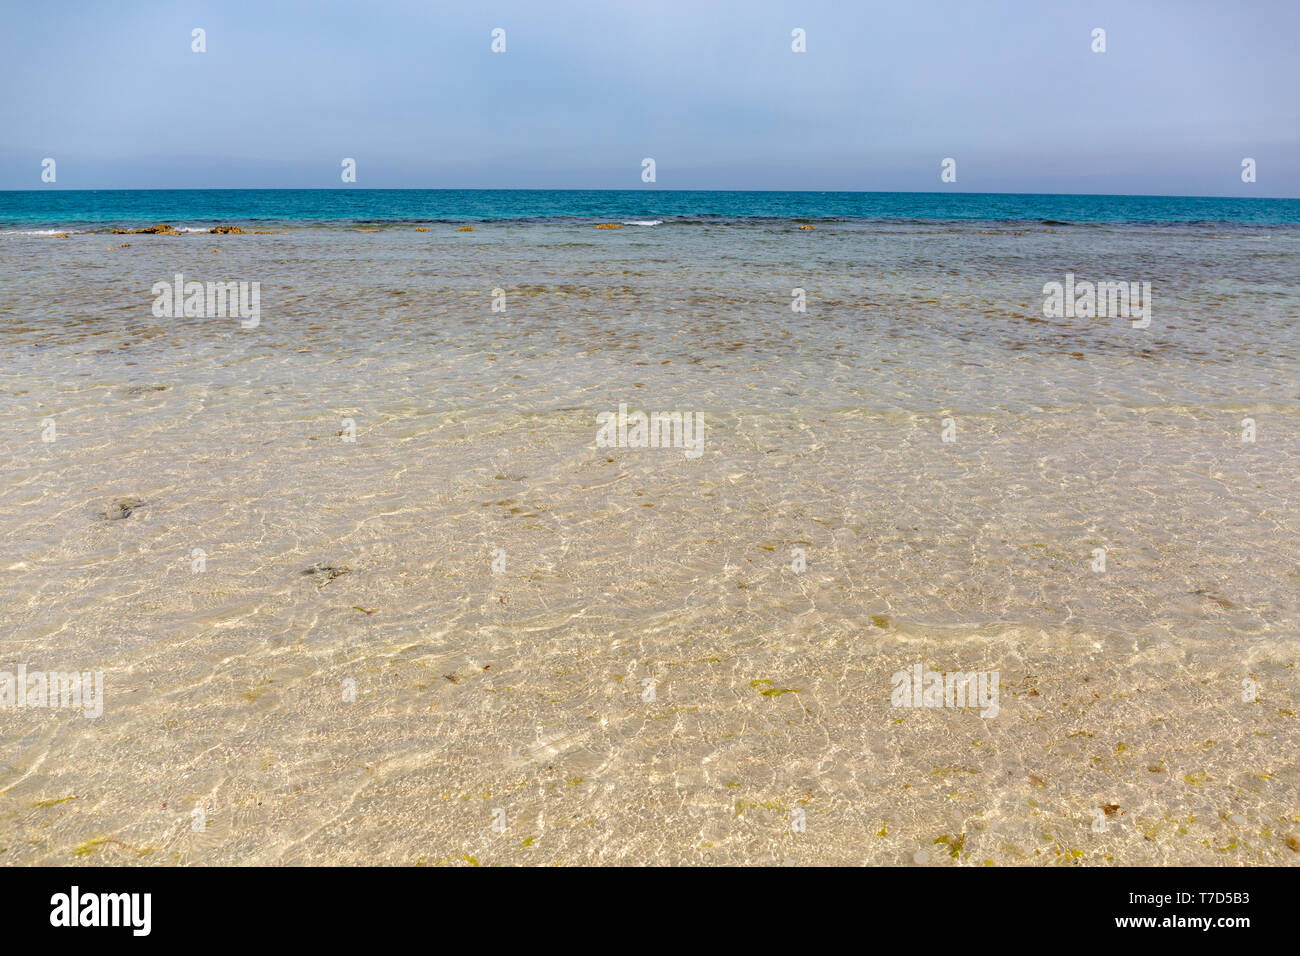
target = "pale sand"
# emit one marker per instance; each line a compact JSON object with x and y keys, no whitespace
{"x":224,"y":690}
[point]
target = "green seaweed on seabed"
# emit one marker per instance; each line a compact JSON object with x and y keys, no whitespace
{"x":771,"y":691}
{"x":954,"y":844}
{"x":89,"y":847}
{"x":52,"y":803}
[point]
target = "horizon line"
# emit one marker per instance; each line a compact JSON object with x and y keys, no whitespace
{"x":570,"y":189}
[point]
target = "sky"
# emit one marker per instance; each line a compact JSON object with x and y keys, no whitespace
{"x":710,"y":89}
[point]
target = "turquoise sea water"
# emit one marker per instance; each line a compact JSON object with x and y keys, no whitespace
{"x":28,"y":209}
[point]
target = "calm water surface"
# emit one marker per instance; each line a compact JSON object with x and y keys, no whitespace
{"x":608,"y":689}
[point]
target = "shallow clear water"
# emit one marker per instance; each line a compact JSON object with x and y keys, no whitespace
{"x":523,"y":689}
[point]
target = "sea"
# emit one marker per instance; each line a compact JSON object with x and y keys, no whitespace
{"x":66,"y":208}
{"x":368,"y":581}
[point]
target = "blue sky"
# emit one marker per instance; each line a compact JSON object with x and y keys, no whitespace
{"x":711,"y":90}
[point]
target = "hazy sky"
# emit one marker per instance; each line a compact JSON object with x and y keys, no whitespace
{"x":709,"y":88}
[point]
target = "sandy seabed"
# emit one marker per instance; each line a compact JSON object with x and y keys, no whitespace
{"x":534,"y":650}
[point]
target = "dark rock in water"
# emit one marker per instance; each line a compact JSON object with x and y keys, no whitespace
{"x":1221,"y":601}
{"x":325,"y":573}
{"x":145,"y":389}
{"x":226,"y":231}
{"x":121,"y":508}
{"x":162,"y":229}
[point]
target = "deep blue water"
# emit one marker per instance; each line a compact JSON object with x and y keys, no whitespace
{"x":57,"y":207}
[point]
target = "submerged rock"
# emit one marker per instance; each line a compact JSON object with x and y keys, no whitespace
{"x":121,"y":508}
{"x":323,"y":574}
{"x":162,"y":229}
